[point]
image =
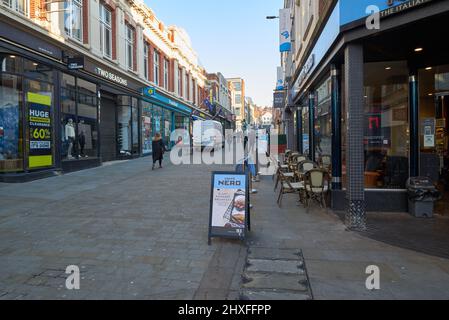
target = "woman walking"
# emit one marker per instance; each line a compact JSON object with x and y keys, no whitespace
{"x":158,"y":150}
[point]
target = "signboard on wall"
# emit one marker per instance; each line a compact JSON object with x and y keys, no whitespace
{"x":40,"y":130}
{"x":229,"y":205}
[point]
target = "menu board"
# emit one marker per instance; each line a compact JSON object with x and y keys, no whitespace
{"x":229,"y":214}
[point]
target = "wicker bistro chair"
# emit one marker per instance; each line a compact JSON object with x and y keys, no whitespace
{"x":316,"y":186}
{"x":326,"y":162}
{"x":288,"y":186}
{"x":305,"y":166}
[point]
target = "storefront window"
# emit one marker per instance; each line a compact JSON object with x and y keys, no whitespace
{"x":124,"y":130}
{"x":434,"y":123}
{"x":183,"y":123}
{"x":11,"y":137}
{"x":147,"y":129}
{"x":37,"y":71}
{"x":323,"y":122}
{"x":386,"y":125}
{"x":10,"y":63}
{"x":305,"y":130}
{"x":157,"y":120}
{"x":167,"y":128}
{"x":79,"y":119}
{"x":127,"y":126}
{"x":135,"y":126}
{"x":68,"y":117}
{"x":87,"y":131}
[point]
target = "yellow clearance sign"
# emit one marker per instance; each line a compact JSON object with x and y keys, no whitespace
{"x":40,"y":153}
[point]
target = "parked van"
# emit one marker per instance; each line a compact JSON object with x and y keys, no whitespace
{"x":207,"y":133}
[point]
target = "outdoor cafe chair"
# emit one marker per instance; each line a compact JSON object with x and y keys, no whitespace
{"x":316,"y":186}
{"x":288,"y":186}
{"x":305,"y":166}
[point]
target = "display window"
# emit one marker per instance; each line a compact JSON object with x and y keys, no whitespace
{"x":386,"y":125}
{"x":147,"y":128}
{"x":26,"y":114}
{"x":79,"y":119}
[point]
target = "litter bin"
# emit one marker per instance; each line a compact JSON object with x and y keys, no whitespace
{"x":422,"y":195}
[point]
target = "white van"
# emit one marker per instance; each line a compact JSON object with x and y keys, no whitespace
{"x":207,"y":133}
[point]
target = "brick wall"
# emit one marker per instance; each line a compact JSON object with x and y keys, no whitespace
{"x":85,"y":21}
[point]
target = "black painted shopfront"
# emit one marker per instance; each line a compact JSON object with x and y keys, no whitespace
{"x":53,"y":119}
{"x":377,"y":101}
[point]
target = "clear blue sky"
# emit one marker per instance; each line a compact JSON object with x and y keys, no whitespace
{"x":232,"y":37}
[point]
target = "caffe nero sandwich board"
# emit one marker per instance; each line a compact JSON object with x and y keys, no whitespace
{"x":229,"y":206}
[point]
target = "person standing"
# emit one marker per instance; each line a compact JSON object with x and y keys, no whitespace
{"x":158,"y":150}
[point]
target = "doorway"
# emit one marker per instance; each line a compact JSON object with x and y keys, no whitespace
{"x":108,"y":127}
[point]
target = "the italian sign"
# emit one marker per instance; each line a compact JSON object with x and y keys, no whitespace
{"x":40,"y":129}
{"x":229,"y":205}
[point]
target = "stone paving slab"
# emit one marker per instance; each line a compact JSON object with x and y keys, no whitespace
{"x":276,"y":266}
{"x":259,"y":280}
{"x":273,"y":295}
{"x":273,"y":254}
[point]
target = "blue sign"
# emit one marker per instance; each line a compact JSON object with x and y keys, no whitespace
{"x":351,"y":10}
{"x":149,"y":91}
{"x":152,"y":93}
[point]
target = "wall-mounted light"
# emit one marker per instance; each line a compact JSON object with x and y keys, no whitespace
{"x":419,"y":49}
{"x":429,"y":68}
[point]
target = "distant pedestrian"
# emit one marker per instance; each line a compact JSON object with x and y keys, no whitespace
{"x":158,"y":150}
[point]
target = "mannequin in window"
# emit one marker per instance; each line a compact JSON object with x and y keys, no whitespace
{"x":70,"y":137}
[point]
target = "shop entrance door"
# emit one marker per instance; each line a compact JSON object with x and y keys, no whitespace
{"x":442,"y":148}
{"x":108,"y":128}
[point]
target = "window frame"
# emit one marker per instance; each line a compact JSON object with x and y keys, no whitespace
{"x":156,"y":67}
{"x":105,"y":27}
{"x":129,"y":42}
{"x":146,"y":50}
{"x":69,"y":15}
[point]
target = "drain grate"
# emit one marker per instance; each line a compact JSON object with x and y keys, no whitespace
{"x":275,"y":274}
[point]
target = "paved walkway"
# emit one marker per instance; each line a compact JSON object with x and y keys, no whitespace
{"x":336,"y":259}
{"x":134,"y":233}
{"x":137,"y":234}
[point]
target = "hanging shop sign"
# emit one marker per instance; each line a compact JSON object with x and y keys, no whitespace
{"x":75,"y":63}
{"x":285,"y":25}
{"x":40,"y":126}
{"x":229,"y":204}
{"x":279,"y":99}
{"x":280,"y":79}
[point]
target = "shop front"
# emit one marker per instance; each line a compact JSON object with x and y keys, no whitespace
{"x":165,"y":115}
{"x":377,"y":102}
{"x":57,"y":119}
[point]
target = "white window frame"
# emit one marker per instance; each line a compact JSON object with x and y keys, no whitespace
{"x":69,"y":19}
{"x":166,"y":68}
{"x":105,"y":27}
{"x":146,"y":50}
{"x":179,"y":82}
{"x":156,"y":70}
{"x":14,"y":5}
{"x":129,"y":42}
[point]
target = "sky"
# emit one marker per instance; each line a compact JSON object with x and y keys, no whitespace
{"x":232,"y":37}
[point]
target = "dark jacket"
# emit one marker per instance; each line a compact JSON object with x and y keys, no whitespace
{"x":158,"y":149}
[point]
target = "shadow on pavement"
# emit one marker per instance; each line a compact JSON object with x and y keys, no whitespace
{"x":428,"y":236}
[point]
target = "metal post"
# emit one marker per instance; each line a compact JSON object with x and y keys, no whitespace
{"x":354,"y":89}
{"x":336,"y":130}
{"x":414,"y":126}
{"x":312,"y":126}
